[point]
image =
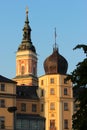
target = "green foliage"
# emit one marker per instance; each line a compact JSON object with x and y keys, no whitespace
{"x":79,"y":79}
{"x":84,"y":47}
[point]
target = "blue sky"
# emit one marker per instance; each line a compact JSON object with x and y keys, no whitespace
{"x":68,"y":16}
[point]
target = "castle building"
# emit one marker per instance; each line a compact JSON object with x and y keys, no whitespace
{"x":7,"y":99}
{"x":49,"y":97}
{"x":43,"y":103}
{"x":56,"y":95}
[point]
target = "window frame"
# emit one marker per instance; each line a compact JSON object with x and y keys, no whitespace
{"x":66,"y":106}
{"x":23,"y":107}
{"x":2,"y":103}
{"x":34,"y":107}
{"x":65,"y":123}
{"x":52,"y":106}
{"x":42,"y":82}
{"x":65,"y":81}
{"x":52,"y":91}
{"x":2,"y":87}
{"x":52,"y":80}
{"x":65,"y":91}
{"x":52,"y":124}
{"x":22,"y":70}
{"x":2,"y":122}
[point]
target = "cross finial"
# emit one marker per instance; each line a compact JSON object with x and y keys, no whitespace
{"x":27,"y":10}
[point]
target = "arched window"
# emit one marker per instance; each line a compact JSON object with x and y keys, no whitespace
{"x":22,"y":70}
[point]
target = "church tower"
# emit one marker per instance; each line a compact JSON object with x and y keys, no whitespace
{"x":56,"y":98}
{"x":26,"y":58}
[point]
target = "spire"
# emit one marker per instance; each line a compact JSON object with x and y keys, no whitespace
{"x":55,"y":45}
{"x":26,"y":21}
{"x":26,"y":29}
{"x":26,"y":43}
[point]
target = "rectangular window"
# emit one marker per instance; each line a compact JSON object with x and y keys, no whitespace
{"x":65,"y":91}
{"x":2,"y":103}
{"x":52,"y":106}
{"x":23,"y":107}
{"x":34,"y":107}
{"x":52,"y":92}
{"x":22,"y":70}
{"x":65,"y":106}
{"x":52,"y":124}
{"x":42,"y":107}
{"x":42,"y":82}
{"x":52,"y":80}
{"x":65,"y":124}
{"x":2,"y":123}
{"x":2,"y":87}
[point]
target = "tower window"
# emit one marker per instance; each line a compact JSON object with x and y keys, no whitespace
{"x":65,"y":124}
{"x":65,"y":106}
{"x":65,"y":91}
{"x":22,"y":70}
{"x":52,"y":80}
{"x":52,"y":106}
{"x":42,"y":82}
{"x":52,"y":92}
{"x":52,"y":123}
{"x":65,"y":81}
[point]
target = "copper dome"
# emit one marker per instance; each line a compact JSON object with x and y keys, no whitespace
{"x":55,"y":64}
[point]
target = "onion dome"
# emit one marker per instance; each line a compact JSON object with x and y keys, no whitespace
{"x":26,"y":43}
{"x":55,"y":63}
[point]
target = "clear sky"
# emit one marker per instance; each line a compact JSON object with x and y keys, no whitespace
{"x":68,"y":16}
